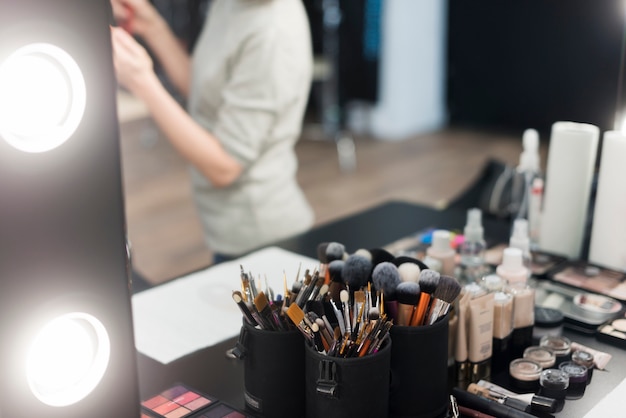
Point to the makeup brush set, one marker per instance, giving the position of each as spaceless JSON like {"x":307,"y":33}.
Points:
{"x":362,"y":322}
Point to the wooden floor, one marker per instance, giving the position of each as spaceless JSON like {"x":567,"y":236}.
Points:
{"x":428,"y":169}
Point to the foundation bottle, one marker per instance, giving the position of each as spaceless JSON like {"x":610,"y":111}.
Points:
{"x":442,"y":251}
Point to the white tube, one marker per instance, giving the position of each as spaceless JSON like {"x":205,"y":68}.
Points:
{"x":571,"y":160}
{"x":608,"y":231}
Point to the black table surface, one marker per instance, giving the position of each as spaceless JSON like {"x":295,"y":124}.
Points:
{"x":211,"y":371}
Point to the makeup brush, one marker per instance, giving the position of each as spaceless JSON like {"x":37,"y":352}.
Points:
{"x":386,"y":279}
{"x":428,"y":281}
{"x":380,"y":255}
{"x":364,"y":253}
{"x":345,"y":304}
{"x":448,"y":289}
{"x":263,"y":307}
{"x":407,"y":295}
{"x":243,"y":307}
{"x":297,"y":316}
{"x":335,"y":251}
{"x":356,"y":272}
{"x":401,"y":259}
{"x":336,"y":285}
{"x":409,"y":272}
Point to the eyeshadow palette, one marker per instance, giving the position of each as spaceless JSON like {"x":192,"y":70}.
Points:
{"x":592,"y":279}
{"x":221,"y":411}
{"x":178,"y":401}
{"x":613,"y":332}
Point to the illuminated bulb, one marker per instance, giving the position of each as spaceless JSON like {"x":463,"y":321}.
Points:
{"x":67,"y":359}
{"x":42,"y":97}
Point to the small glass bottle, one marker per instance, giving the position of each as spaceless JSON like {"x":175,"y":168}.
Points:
{"x":472,"y":249}
{"x":442,"y":250}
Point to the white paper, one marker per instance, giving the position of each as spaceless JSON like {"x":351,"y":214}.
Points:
{"x":197,"y":311}
{"x":610,"y":404}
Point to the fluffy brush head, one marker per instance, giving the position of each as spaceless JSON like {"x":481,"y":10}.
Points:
{"x":448,"y":289}
{"x":409,"y":272}
{"x":386,"y":278}
{"x":335,"y":251}
{"x":429,"y":280}
{"x":380,"y":255}
{"x":321,"y":252}
{"x":356,"y":271}
{"x":406,"y":259}
{"x":335,"y":269}
{"x":408,"y":293}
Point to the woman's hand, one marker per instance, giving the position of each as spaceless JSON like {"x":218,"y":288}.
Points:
{"x":133,"y":65}
{"x":138,"y":17}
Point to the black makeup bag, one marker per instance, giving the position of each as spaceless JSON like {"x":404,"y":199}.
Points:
{"x":339,"y":387}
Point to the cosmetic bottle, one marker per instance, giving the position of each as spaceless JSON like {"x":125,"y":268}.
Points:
{"x":472,"y":249}
{"x":524,"y":203}
{"x":442,"y":251}
{"x":512,"y":268}
{"x":502,"y":330}
{"x":480,"y":346}
{"x":520,"y":239}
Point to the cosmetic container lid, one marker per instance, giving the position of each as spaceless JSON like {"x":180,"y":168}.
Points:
{"x":573,"y":370}
{"x":542,"y":355}
{"x":559,"y":344}
{"x":583,"y":358}
{"x":473,"y":230}
{"x":512,"y":268}
{"x":493,"y":282}
{"x":524,"y":369}
{"x":441,"y":241}
{"x":529,"y":158}
{"x":554,"y":379}
{"x":475,"y":290}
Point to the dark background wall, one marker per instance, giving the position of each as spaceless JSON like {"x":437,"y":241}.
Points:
{"x":518,"y":64}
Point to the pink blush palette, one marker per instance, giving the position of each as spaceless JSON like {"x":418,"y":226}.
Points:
{"x":178,"y":401}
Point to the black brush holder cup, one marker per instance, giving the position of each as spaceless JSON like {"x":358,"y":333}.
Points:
{"x":347,"y":387}
{"x":419,"y":371}
{"x":273,"y":371}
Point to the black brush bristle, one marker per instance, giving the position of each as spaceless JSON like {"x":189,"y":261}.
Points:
{"x":321,"y":252}
{"x":428,"y":281}
{"x":335,"y":269}
{"x":356,"y":271}
{"x":380,"y":255}
{"x":386,"y":278}
{"x":448,"y":289}
{"x":408,"y":293}
{"x":335,"y":251}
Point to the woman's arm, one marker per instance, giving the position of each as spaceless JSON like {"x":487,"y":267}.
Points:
{"x":134,"y":70}
{"x":143,"y":20}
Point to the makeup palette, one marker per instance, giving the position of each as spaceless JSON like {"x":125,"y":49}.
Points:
{"x":590,"y":278}
{"x":613,"y":332}
{"x":582,"y":311}
{"x":178,"y":401}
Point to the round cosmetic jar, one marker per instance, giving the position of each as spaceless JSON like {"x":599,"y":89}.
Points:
{"x":577,"y":379}
{"x":524,"y":374}
{"x":584,"y":358}
{"x":542,"y":355}
{"x":561,"y":346}
{"x":553,"y":384}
